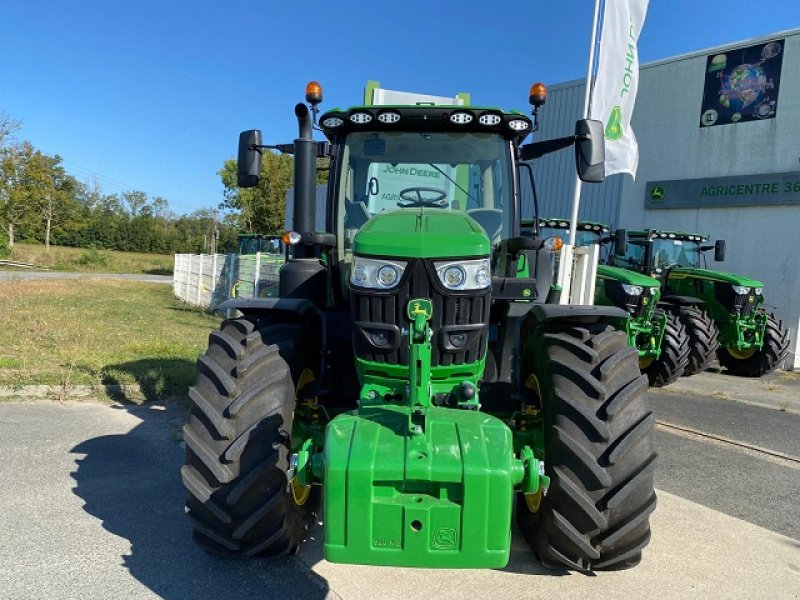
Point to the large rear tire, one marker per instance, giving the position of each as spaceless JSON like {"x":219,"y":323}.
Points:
{"x":674,"y":358}
{"x":703,"y":338}
{"x":759,"y":362}
{"x":598,"y":450}
{"x":238,"y":442}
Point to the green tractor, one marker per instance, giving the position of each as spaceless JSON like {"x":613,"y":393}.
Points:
{"x":410,"y":374}
{"x":657,"y":334}
{"x":722,"y":312}
{"x":253,"y":243}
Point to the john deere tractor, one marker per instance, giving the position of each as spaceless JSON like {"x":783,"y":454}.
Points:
{"x":722,"y":312}
{"x":658,"y":334}
{"x":409,"y":375}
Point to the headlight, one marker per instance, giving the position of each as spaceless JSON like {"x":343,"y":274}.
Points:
{"x":332,"y":122}
{"x":741,"y":290}
{"x":632,"y":290}
{"x":759,"y":291}
{"x":453,"y":276}
{"x":464,"y":274}
{"x":376,"y":273}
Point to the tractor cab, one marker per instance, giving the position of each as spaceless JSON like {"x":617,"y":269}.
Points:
{"x":253,"y":243}
{"x":656,"y":252}
{"x":432,"y":169}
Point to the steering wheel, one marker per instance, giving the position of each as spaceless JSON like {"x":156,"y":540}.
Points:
{"x":438,"y":201}
{"x":665,"y":266}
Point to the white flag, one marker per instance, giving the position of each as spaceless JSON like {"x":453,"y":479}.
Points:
{"x":617,"y":81}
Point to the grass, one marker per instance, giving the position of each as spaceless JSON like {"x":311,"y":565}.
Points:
{"x":100,"y":332}
{"x":61,"y":258}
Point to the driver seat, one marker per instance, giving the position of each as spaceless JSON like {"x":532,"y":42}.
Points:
{"x":491,"y":219}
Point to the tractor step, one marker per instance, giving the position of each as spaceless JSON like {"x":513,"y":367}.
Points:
{"x":438,"y":498}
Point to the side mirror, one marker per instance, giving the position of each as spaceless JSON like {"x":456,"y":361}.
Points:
{"x":621,"y":242}
{"x":249,"y":160}
{"x":719,"y":250}
{"x":590,"y":150}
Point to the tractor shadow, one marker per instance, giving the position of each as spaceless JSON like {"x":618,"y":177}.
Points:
{"x":156,"y":379}
{"x":131,"y":483}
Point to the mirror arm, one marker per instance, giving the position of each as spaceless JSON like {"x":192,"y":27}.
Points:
{"x":323,"y":148}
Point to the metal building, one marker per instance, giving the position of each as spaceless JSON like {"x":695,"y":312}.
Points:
{"x":719,"y":146}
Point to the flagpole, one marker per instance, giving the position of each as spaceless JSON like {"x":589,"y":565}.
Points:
{"x":576,"y":198}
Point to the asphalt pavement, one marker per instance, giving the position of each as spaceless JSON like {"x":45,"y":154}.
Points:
{"x":91,"y":506}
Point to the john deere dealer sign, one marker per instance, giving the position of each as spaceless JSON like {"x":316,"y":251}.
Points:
{"x":743,"y":190}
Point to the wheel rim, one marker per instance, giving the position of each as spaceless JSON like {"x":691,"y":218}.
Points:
{"x":741,"y":354}
{"x":300,"y":492}
{"x":646,"y":361}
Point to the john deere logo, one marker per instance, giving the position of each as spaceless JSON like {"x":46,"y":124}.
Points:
{"x":445,"y":538}
{"x":420,"y":306}
{"x":657,"y":193}
{"x":614,"y":125}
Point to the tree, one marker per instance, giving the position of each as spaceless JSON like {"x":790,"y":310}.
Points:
{"x":136,"y":201}
{"x":261,"y":208}
{"x":13,"y":189}
{"x":49,"y":188}
{"x":8,"y":125}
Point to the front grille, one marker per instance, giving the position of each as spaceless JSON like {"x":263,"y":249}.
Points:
{"x":636,"y":306}
{"x":742,"y":304}
{"x":459,"y":322}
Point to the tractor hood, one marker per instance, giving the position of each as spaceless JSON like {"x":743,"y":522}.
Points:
{"x":625,"y":276}
{"x":422,"y":233}
{"x":733,"y":279}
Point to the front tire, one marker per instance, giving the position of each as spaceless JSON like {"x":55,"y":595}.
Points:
{"x":770,"y":357}
{"x":674,"y":358}
{"x":703,"y":338}
{"x":238,"y":442}
{"x":598,"y":450}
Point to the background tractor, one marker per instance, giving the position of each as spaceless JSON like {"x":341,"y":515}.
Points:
{"x":658,"y":334}
{"x":722,"y":312}
{"x":410,"y":374}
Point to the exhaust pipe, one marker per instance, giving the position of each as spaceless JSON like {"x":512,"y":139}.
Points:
{"x":305,"y":180}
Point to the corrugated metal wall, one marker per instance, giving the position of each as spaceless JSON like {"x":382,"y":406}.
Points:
{"x":555,"y":173}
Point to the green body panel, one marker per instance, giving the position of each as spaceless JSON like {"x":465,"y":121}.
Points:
{"x":422,"y":233}
{"x":679,"y":273}
{"x":624,"y":276}
{"x":442,"y":498}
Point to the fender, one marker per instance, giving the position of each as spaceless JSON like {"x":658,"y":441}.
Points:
{"x":578,"y":314}
{"x":520,"y":318}
{"x":680,"y":301}
{"x":262,"y":306}
{"x":290,"y":309}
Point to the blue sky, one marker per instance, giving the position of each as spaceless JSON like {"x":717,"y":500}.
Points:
{"x":151,"y":95}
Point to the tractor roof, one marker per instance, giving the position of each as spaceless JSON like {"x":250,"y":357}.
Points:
{"x":664,"y":234}
{"x":512,"y":125}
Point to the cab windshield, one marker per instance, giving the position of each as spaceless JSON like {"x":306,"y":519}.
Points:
{"x":664,"y":254}
{"x":464,"y":172}
{"x":671,"y":253}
